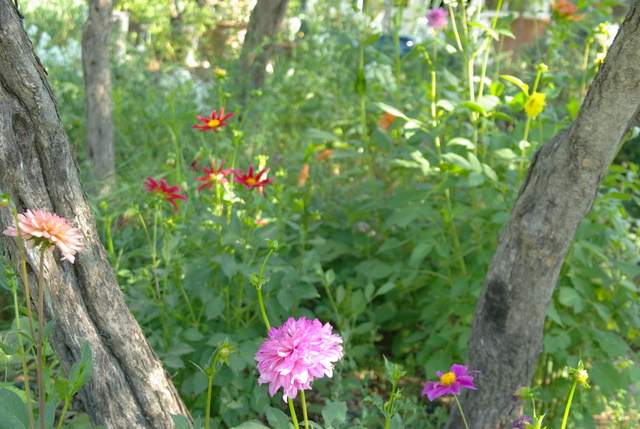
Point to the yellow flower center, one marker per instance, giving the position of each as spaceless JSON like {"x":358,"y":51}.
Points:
{"x":448,"y":379}
{"x":251,"y":181}
{"x":213,"y":123}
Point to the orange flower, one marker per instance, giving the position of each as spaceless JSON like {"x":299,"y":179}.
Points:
{"x":386,"y":120}
{"x":304,"y":174}
{"x":566,"y":9}
{"x":324,"y":154}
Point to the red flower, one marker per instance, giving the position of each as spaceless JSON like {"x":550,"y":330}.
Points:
{"x":386,"y":120}
{"x":214,"y":122}
{"x":566,"y":9}
{"x":167,"y":193}
{"x":324,"y":154}
{"x":250,"y":180}
{"x":213,"y":176}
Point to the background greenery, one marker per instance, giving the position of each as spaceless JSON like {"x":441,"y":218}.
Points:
{"x":390,"y":236}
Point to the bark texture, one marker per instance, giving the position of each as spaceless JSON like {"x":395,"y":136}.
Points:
{"x":266,"y":19}
{"x":129,"y":388}
{"x":561,"y":185}
{"x":96,"y":40}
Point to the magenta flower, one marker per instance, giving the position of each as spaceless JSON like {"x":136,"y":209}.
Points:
{"x":167,"y":193}
{"x":437,"y":18}
{"x":450,"y":383}
{"x":213,"y":176}
{"x":297,"y":353}
{"x":48,"y":229}
{"x":250,"y":180}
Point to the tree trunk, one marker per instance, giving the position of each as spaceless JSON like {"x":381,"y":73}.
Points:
{"x":561,"y":185}
{"x":129,"y":388}
{"x":266,"y":19}
{"x":96,"y":40}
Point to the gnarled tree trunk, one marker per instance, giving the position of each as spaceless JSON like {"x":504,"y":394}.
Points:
{"x":560,"y":188}
{"x":129,"y":388}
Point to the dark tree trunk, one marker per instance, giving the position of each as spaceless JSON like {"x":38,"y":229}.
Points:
{"x":562,"y":183}
{"x":129,"y":388}
{"x":96,"y":40}
{"x":266,"y":18}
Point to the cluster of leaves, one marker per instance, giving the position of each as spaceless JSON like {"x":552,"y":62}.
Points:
{"x":389,"y":237}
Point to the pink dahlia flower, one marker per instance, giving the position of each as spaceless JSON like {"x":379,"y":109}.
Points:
{"x":48,"y":228}
{"x":437,"y":18}
{"x":450,"y":383}
{"x":297,"y":353}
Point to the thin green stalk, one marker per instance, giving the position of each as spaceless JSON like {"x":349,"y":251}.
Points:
{"x":566,"y":411}
{"x":455,"y":27}
{"x":304,"y":409}
{"x":487,"y":50}
{"x":396,"y":42}
{"x":67,"y":401}
{"x":454,"y":231}
{"x":464,"y":419}
{"x":390,"y":405}
{"x":23,"y":358}
{"x":40,"y":360}
{"x":207,"y":418}
{"x":292,"y":410}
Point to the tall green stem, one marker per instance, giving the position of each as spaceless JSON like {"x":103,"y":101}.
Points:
{"x":464,"y":419}
{"x":304,"y":409}
{"x":566,"y":411}
{"x":23,"y":358}
{"x":39,"y":354}
{"x":294,"y":417}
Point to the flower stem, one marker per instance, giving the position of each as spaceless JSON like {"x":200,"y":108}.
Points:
{"x":40,"y":361}
{"x":304,"y":410}
{"x":464,"y":420}
{"x":23,"y":359}
{"x":292,"y":410}
{"x":207,"y":418}
{"x":566,"y":411}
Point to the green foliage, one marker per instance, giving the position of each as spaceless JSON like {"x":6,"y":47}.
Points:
{"x":388,"y":237}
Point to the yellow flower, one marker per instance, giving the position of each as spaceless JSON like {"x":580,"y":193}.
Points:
{"x":534,"y":105}
{"x":220,"y":73}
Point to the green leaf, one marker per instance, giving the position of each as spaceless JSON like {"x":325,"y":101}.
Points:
{"x":261,"y":395}
{"x":476,"y":165}
{"x":316,"y":134}
{"x":458,"y":160}
{"x":277,"y":418}
{"x":419,"y":253}
{"x":520,"y":84}
{"x":46,"y":330}
{"x":13,"y":412}
{"x":488,"y":171}
{"x":629,"y":269}
{"x":474,"y":107}
{"x":553,"y":314}
{"x":461,"y":141}
{"x":335,"y":414}
{"x":385,"y":288}
{"x":253,"y":424}
{"x":180,"y":421}
{"x":569,"y":297}
{"x":214,"y":307}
